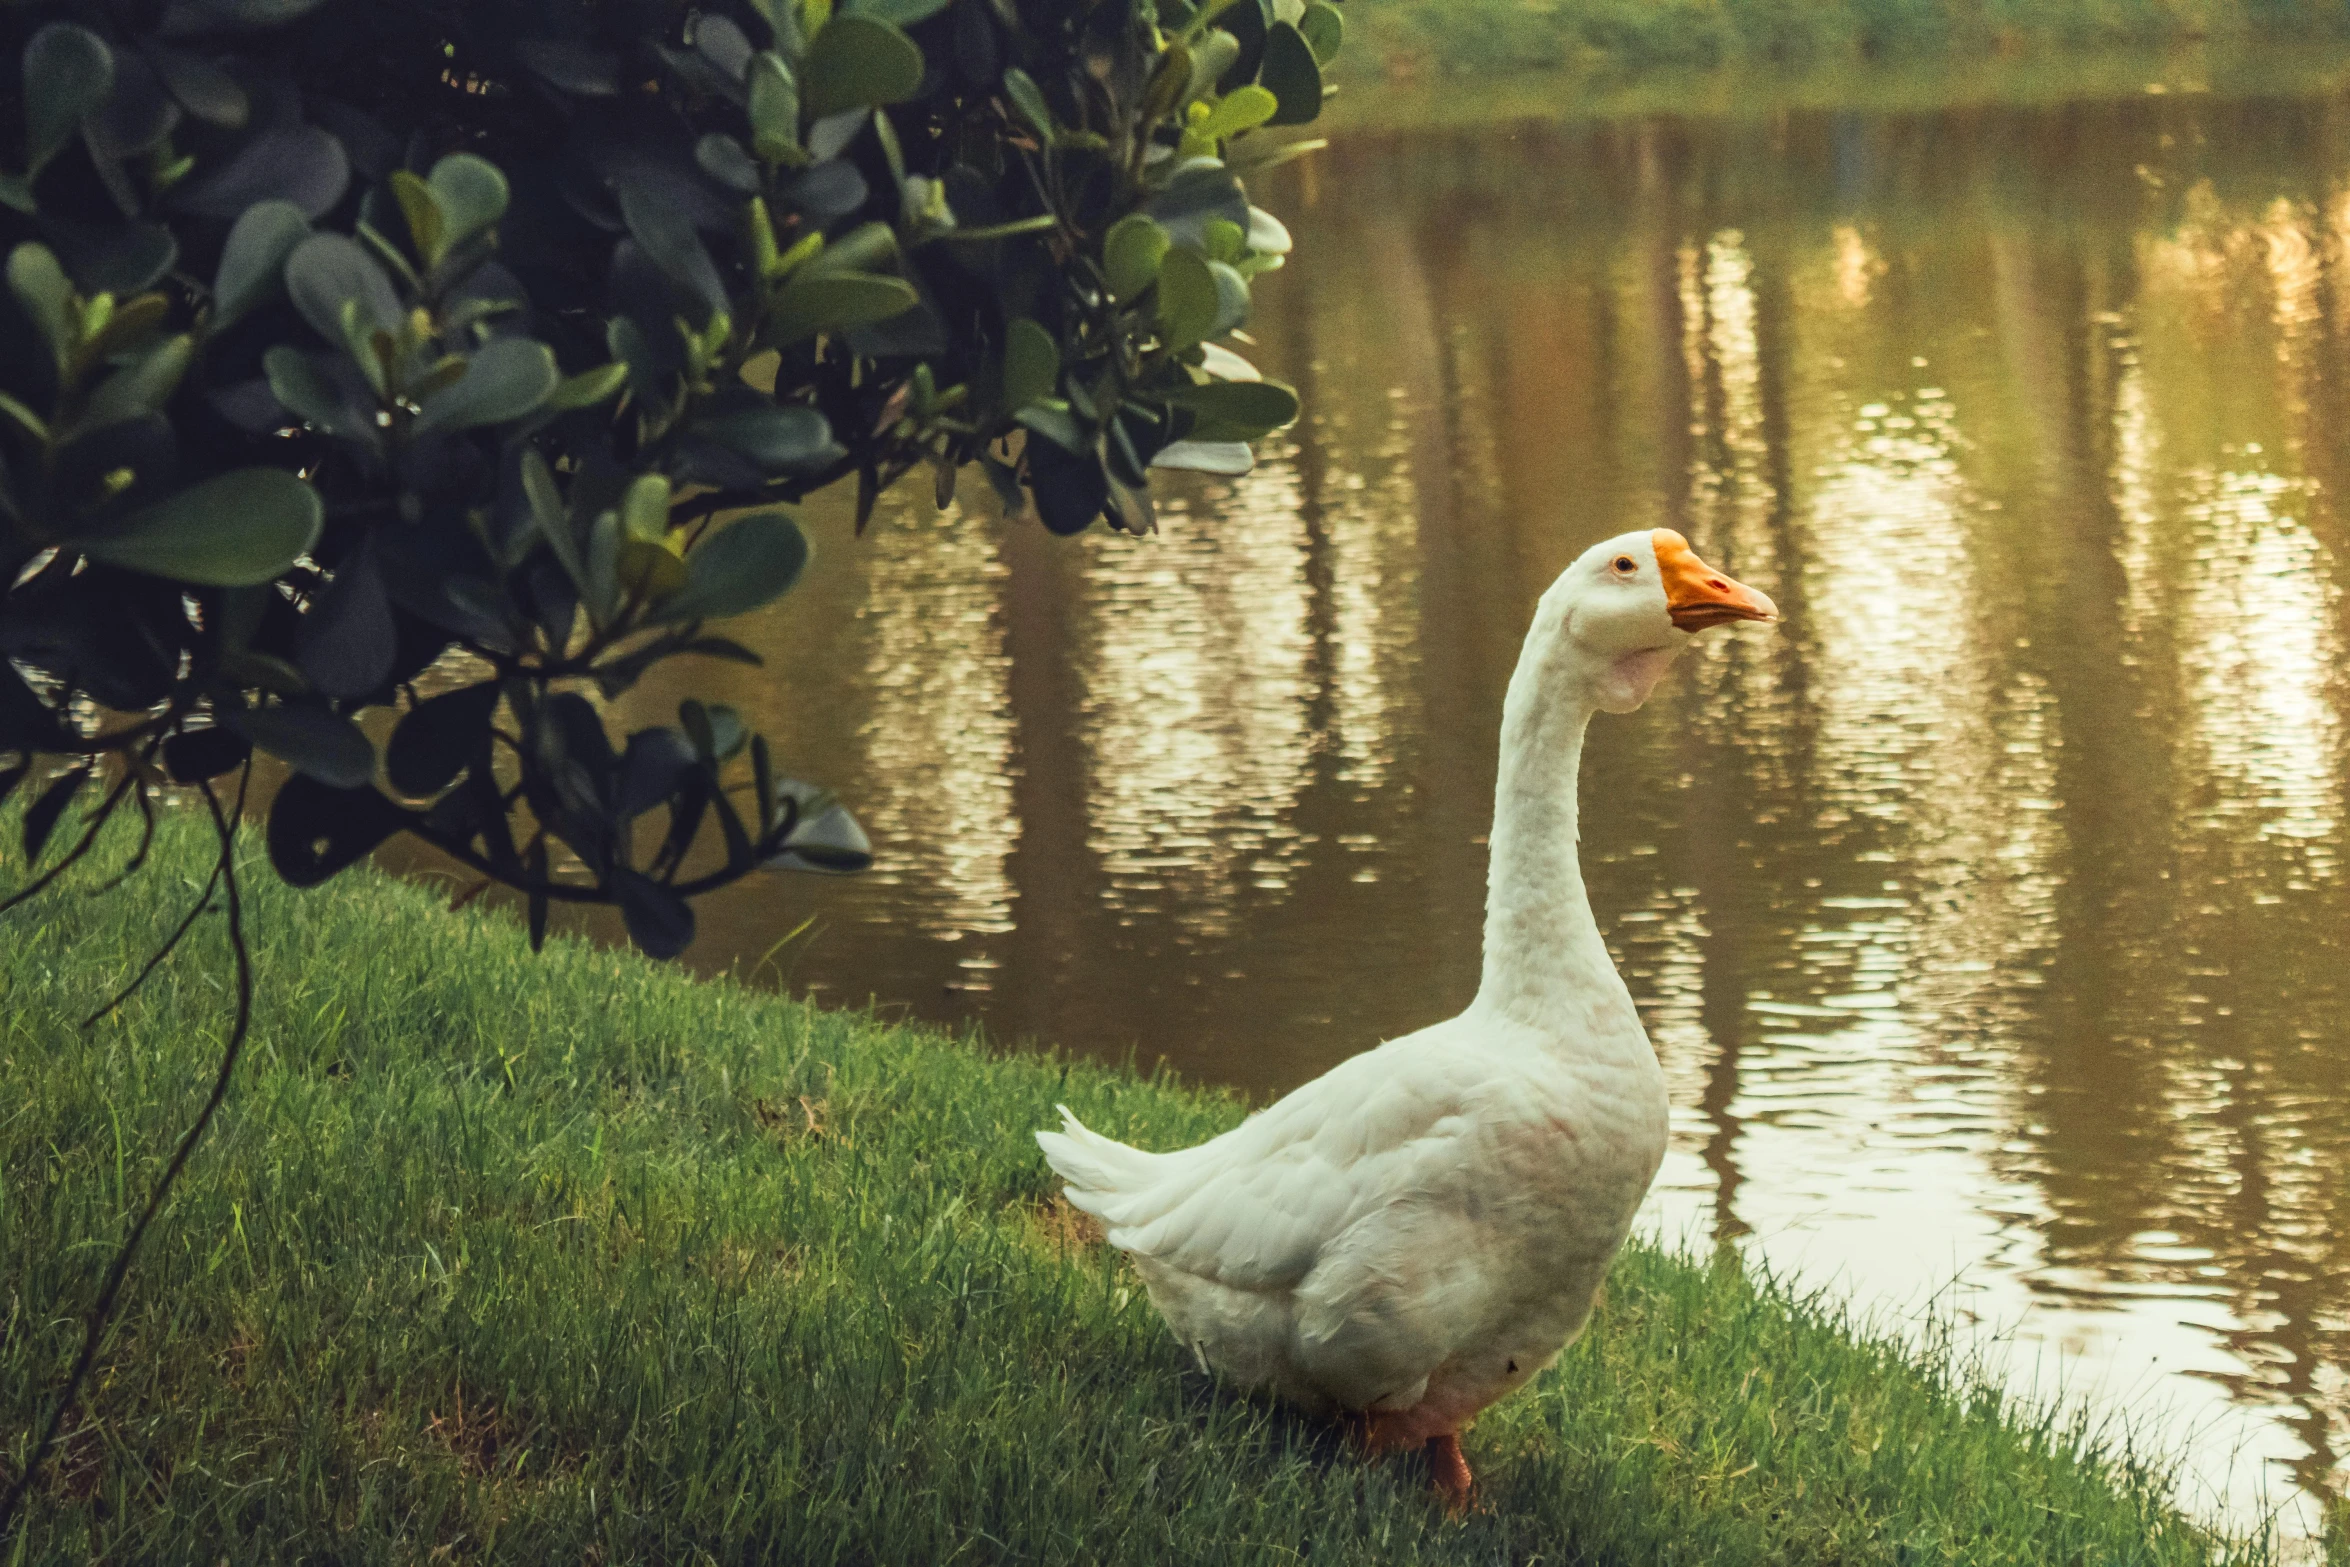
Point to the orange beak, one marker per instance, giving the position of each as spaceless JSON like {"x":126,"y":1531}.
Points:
{"x":1697,"y":596}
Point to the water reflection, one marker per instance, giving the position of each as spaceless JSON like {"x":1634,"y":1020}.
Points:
{"x":1989,"y":920}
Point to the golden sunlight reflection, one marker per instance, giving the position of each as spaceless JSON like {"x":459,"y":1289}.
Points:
{"x":1195,"y":650}
{"x":934,"y":671}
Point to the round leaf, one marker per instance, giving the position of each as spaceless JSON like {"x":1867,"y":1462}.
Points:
{"x":1293,"y":75}
{"x":297,"y":163}
{"x":316,"y":830}
{"x":776,"y":437}
{"x":325,"y":270}
{"x":1227,"y":458}
{"x":438,"y":737}
{"x":1032,"y":363}
{"x":471,"y":194}
{"x":858,"y":62}
{"x":235,"y":530}
{"x":1131,"y":253}
{"x":1324,"y":29}
{"x":825,"y":838}
{"x":68,"y":73}
{"x":254,"y":258}
{"x":741,"y":568}
{"x":659,"y":921}
{"x":1236,"y":410}
{"x":1243,"y":109}
{"x":507,"y":379}
{"x":816,"y":302}
{"x":1188,"y":299}
{"x":315,"y":739}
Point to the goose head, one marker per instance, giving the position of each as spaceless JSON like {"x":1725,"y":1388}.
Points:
{"x":1622,"y":612}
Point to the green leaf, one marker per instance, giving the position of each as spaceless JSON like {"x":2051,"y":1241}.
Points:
{"x":236,"y":530}
{"x":603,"y":566}
{"x":1214,"y":54}
{"x":1223,"y":239}
{"x":1032,"y":363}
{"x":1243,"y":109}
{"x":858,"y":62}
{"x":588,"y":388}
{"x":1028,"y":98}
{"x":1232,"y":302}
{"x":861,"y":249}
{"x":68,"y":74}
{"x":649,"y":573}
{"x":304,"y":391}
{"x":1055,"y":423}
{"x":317,"y":741}
{"x":140,"y":389}
{"x":30,"y":422}
{"x":1131,"y":253}
{"x":506,"y":379}
{"x":1170,"y":81}
{"x":438,"y":737}
{"x":254,"y":259}
{"x":553,"y":518}
{"x":905,"y":13}
{"x":644,"y":509}
{"x":422,"y":212}
{"x":774,"y":109}
{"x":40,"y":285}
{"x":326,"y":271}
{"x":1187,"y":299}
{"x":1292,"y":74}
{"x":1236,"y":410}
{"x":776,"y":437}
{"x":471,"y":194}
{"x":1324,"y":29}
{"x":814,"y":302}
{"x":740,"y":568}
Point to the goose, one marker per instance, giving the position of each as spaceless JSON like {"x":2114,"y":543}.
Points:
{"x":1420,"y":1230}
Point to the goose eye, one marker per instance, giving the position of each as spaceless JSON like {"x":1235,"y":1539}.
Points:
{"x":1624,"y":565}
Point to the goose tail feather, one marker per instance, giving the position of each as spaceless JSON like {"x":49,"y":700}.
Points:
{"x":1098,"y":1169}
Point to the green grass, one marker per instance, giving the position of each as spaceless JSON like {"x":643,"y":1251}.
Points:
{"x":572,"y":1258}
{"x":1595,"y":49}
{"x":2227,"y":69}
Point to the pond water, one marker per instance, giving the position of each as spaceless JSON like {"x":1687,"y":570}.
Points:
{"x":1990,"y":917}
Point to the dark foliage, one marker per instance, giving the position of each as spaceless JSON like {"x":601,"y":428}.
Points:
{"x":344,"y":336}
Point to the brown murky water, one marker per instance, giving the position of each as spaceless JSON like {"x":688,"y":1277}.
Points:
{"x":1991,"y":918}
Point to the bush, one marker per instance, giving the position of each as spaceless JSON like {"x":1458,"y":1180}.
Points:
{"x":344,"y":336}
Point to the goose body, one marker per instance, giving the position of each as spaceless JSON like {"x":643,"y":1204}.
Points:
{"x":1415,"y":1233}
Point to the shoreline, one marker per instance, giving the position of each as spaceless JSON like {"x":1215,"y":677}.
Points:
{"x":1741,"y":91}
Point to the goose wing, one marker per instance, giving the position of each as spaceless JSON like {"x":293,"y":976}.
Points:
{"x":1256,"y":1208}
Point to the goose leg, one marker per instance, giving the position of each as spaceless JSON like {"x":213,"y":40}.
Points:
{"x":1450,"y":1471}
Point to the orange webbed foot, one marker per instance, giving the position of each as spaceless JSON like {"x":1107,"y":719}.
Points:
{"x":1450,"y":1472}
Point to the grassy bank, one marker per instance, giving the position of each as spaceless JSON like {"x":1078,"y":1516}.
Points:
{"x":2227,"y":69}
{"x":1597,"y":48}
{"x":571,"y":1258}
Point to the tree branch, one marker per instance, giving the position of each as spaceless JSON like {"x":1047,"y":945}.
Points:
{"x":110,"y":1292}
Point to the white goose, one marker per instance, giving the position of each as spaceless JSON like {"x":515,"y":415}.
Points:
{"x":1417,"y":1232}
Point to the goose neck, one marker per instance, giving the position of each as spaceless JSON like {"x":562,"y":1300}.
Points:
{"x":1545,"y":964}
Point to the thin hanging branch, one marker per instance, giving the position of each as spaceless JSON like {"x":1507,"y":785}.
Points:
{"x":102,"y":1310}
{"x":170,"y":945}
{"x":97,"y":824}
